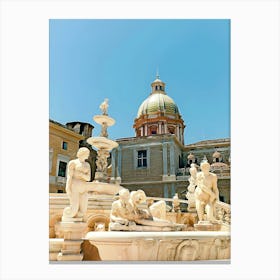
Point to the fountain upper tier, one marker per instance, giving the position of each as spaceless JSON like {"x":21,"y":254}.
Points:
{"x":102,"y":143}
{"x":103,"y":119}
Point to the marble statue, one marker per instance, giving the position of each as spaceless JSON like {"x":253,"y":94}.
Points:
{"x":78,"y":186}
{"x":78,"y":171}
{"x":101,"y":162}
{"x":131,"y":213}
{"x":158,"y":209}
{"x":137,"y":198}
{"x":206,"y":193}
{"x":176,"y":204}
{"x":122,"y":211}
{"x":191,"y":188}
{"x":104,"y":106}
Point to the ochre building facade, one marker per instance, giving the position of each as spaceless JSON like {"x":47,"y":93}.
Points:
{"x":63,"y":146}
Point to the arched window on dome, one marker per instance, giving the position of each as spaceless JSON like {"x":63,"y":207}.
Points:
{"x":171,"y":129}
{"x":152,"y":130}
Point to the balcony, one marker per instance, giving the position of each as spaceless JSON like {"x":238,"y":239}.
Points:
{"x":223,"y":172}
{"x":182,"y":174}
{"x":60,"y":180}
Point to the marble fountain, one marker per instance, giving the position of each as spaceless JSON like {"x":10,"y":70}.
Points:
{"x":139,"y":231}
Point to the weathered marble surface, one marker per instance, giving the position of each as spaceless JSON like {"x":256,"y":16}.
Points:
{"x":71,"y":233}
{"x":161,"y":246}
{"x":191,"y":189}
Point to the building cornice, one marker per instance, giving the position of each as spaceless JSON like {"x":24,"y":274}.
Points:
{"x":224,"y":142}
{"x":60,"y":128}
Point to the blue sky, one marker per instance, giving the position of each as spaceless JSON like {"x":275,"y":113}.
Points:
{"x":118,"y":59}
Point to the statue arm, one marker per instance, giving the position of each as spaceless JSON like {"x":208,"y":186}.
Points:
{"x":215,"y":187}
{"x":143,"y":214}
{"x":70,"y":172}
{"x":86,"y":173}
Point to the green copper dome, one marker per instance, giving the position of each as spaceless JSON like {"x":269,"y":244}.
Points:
{"x":158,"y":102}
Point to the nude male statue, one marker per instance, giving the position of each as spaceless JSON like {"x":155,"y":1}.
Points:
{"x":78,"y":186}
{"x":206,"y":193}
{"x":78,"y":172}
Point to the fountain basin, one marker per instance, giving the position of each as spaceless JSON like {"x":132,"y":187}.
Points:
{"x":102,"y":143}
{"x":161,"y":246}
{"x":100,"y":119}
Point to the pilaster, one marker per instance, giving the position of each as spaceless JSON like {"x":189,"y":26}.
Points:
{"x":113,"y":162}
{"x":164,"y":158}
{"x":165,"y":191}
{"x":172,"y":161}
{"x":119,"y":167}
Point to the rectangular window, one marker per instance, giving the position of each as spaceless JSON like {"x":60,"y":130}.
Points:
{"x":64,"y":145}
{"x":142,"y":158}
{"x":62,"y":169}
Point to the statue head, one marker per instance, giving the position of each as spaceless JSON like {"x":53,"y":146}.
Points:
{"x":83,"y":153}
{"x":138,"y":197}
{"x":205,"y":166}
{"x":124,"y":194}
{"x":193,"y":170}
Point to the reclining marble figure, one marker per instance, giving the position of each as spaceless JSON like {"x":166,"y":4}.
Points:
{"x":128,"y":214}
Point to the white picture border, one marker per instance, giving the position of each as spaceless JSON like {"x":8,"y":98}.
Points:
{"x":254,"y":137}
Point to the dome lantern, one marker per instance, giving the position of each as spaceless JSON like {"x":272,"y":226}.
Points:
{"x":158,"y":86}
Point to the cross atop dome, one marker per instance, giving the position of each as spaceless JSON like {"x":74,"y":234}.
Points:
{"x":157,"y":75}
